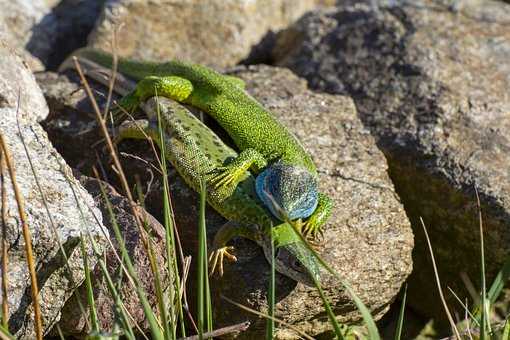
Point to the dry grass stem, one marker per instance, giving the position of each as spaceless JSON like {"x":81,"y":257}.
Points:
{"x":28,"y":239}
{"x":5,"y":246}
{"x":438,"y":282}
{"x":240,"y":327}
{"x":248,"y":309}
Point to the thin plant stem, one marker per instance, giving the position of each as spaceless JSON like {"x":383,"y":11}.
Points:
{"x":28,"y":240}
{"x":438,"y":282}
{"x":253,"y":311}
{"x":484,"y":325}
{"x":5,"y":255}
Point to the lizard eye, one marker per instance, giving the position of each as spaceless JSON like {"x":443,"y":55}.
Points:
{"x":297,"y":266}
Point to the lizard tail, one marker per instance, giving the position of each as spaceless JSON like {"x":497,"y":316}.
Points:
{"x":131,"y":68}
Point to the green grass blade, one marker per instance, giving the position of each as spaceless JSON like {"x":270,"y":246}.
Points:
{"x":126,"y":325}
{"x":169,"y":236}
{"x":484,"y":324}
{"x":149,"y":314}
{"x":59,"y":331}
{"x":400,"y":323}
{"x":506,"y":331}
{"x":271,"y":295}
{"x":208,"y":302}
{"x":499,"y":282}
{"x":159,"y":294}
{"x":88,"y":286}
{"x":203,"y":246}
{"x":160,"y":298}
{"x":201,"y":258}
{"x":329,"y":311}
{"x":4,"y":334}
{"x":373,"y":333}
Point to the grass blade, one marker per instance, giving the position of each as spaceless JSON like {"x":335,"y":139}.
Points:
{"x":400,"y":323}
{"x":506,"y":331}
{"x":159,"y":293}
{"x":208,"y":302}
{"x":329,"y":311}
{"x":5,"y":246}
{"x":248,"y":309}
{"x":4,"y":334}
{"x":201,"y":258}
{"x":373,"y":333}
{"x":271,"y":295}
{"x":203,"y":246}
{"x":88,"y":286}
{"x":169,"y":233}
{"x":438,"y":282}
{"x":484,"y":325}
{"x":149,"y":314}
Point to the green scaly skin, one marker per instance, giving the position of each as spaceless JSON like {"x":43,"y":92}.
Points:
{"x":261,"y":139}
{"x":194,"y":150}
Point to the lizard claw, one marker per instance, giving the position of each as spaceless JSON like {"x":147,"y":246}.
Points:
{"x":216,"y":259}
{"x":226,"y":176}
{"x":311,"y":230}
{"x":312,"y":239}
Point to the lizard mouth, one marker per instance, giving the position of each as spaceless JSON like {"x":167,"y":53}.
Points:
{"x":289,"y":262}
{"x":289,"y":192}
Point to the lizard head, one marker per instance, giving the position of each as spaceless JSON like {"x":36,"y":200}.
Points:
{"x":289,"y":192}
{"x":292,"y":257}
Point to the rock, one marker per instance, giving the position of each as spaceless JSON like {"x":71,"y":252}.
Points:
{"x":214,"y":32}
{"x":32,"y":105}
{"x":71,"y":124}
{"x":45,"y":31}
{"x":368,"y":239}
{"x":56,"y":279}
{"x":72,"y":321}
{"x":431,"y":83}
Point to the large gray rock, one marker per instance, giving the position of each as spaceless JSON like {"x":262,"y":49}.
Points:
{"x":45,"y":31}
{"x":56,"y":279}
{"x":214,"y":32}
{"x":431,"y":83}
{"x":368,"y":239}
{"x":17,"y":19}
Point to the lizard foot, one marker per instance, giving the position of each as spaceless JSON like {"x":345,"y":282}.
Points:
{"x":227,"y":176}
{"x":311,"y":230}
{"x":216,"y":259}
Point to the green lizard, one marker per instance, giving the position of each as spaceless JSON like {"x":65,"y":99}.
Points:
{"x":194,"y":150}
{"x":287,"y":179}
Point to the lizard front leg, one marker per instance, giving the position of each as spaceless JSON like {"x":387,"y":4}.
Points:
{"x":313,"y":224}
{"x":234,"y":171}
{"x":226,"y":233}
{"x":137,"y":129}
{"x":172,"y":87}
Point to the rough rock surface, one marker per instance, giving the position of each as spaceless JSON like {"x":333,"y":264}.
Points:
{"x":72,"y":321}
{"x":56,"y":280}
{"x":214,"y":32}
{"x":368,"y":238}
{"x":17,"y":83}
{"x":44,"y":31}
{"x":431,"y":83}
